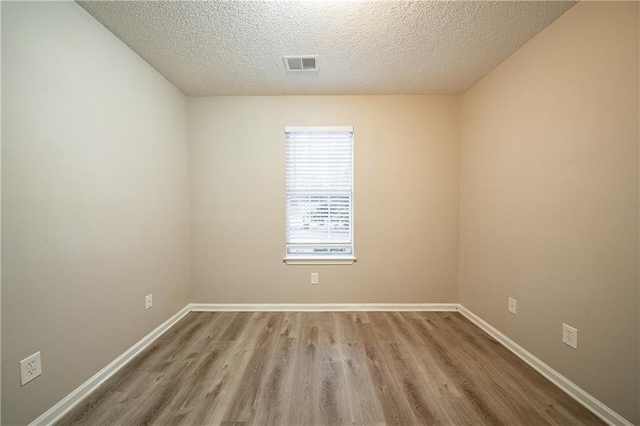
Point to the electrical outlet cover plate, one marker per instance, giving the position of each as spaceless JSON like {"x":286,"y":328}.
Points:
{"x":512,"y":306}
{"x":30,"y":368}
{"x":314,"y":278}
{"x":570,"y":336}
{"x":148,"y":301}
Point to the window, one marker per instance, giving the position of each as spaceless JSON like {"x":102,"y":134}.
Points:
{"x":319,"y":195}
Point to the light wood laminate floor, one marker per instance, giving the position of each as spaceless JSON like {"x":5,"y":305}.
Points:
{"x":327,"y":368}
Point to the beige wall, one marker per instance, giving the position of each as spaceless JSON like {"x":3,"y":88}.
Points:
{"x":406,"y":199}
{"x":94,"y":200}
{"x":549,"y":198}
{"x":0,"y":213}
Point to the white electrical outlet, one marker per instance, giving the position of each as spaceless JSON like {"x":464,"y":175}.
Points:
{"x":314,"y":278}
{"x":512,"y":306}
{"x":570,"y":336}
{"x":148,"y":301}
{"x":30,"y":368}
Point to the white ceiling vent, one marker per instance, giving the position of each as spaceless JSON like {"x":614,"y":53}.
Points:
{"x":300,"y":63}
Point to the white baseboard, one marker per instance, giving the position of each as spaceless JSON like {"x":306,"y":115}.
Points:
{"x":321,"y":307}
{"x":56,"y":412}
{"x":566,"y":385}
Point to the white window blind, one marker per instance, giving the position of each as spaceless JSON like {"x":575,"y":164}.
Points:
{"x":319,"y":191}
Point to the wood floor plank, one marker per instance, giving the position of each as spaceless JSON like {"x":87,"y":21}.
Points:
{"x":305,"y":393}
{"x":463,"y":375}
{"x":364,"y":405}
{"x":243,"y":403}
{"x":273,"y":401}
{"x":226,"y":381}
{"x":386,"y":385}
{"x":327,"y":368}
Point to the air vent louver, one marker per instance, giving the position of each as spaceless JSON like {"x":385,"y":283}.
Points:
{"x":300,"y":63}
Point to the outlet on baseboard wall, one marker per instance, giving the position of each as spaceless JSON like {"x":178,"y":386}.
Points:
{"x":570,"y":336}
{"x":512,"y":306}
{"x":314,"y":278}
{"x":30,"y":368}
{"x":148,"y":301}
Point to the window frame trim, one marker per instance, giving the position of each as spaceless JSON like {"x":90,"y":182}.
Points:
{"x":326,"y":260}
{"x":306,"y":259}
{"x":318,"y":129}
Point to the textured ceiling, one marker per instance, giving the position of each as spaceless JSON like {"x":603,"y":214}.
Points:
{"x":390,"y":47}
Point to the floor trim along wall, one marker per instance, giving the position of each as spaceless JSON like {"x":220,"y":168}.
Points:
{"x":323,"y":307}
{"x":598,"y":408}
{"x":573,"y":390}
{"x":61,"y":408}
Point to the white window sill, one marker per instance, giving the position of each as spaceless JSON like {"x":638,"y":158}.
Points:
{"x":324,"y":260}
